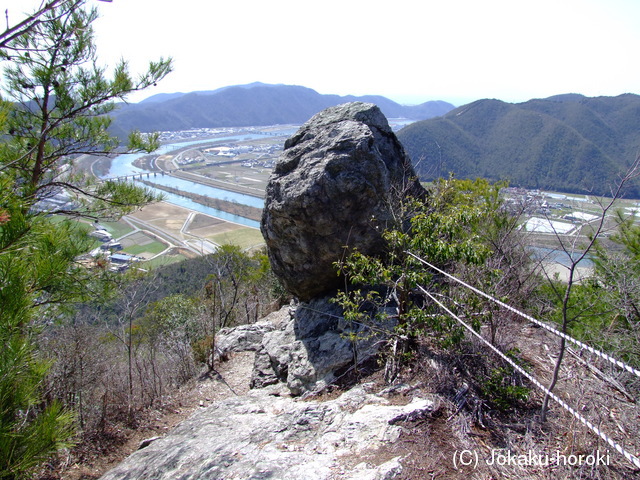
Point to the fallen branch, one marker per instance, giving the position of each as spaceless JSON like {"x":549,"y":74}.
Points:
{"x":603,"y":376}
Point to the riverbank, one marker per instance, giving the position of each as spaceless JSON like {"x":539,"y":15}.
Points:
{"x":245,"y":211}
{"x":164,"y":163}
{"x":194,"y":177}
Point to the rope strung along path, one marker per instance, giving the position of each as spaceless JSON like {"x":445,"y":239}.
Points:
{"x":594,"y":428}
{"x":549,"y":328}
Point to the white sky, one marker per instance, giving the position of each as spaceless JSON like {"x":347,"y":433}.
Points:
{"x":408,"y":50}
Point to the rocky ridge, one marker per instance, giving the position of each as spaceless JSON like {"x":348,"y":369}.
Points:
{"x":312,"y":348}
{"x":264,"y":435}
{"x":269,"y":433}
{"x":336,"y":186}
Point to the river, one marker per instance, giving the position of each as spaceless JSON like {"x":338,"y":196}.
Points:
{"x":122,"y":165}
{"x":559,"y":256}
{"x":209,"y":191}
{"x":214,"y":212}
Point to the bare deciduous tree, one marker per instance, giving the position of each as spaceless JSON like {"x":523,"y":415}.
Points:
{"x":570,"y":247}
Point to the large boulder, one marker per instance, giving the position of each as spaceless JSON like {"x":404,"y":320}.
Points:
{"x":335,"y":186}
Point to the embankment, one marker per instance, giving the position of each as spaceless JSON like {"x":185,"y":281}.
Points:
{"x":246,"y":211}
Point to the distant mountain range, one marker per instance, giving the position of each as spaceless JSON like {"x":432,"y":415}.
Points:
{"x":248,"y":105}
{"x":569,"y":143}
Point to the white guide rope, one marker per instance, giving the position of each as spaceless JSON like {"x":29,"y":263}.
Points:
{"x":555,"y":331}
{"x":595,"y":429}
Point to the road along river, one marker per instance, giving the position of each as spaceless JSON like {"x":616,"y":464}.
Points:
{"x":122,"y":166}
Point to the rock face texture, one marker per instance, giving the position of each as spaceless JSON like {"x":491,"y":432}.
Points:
{"x":266,"y":436}
{"x":312,"y":348}
{"x":268,"y":433}
{"x":334,"y":186}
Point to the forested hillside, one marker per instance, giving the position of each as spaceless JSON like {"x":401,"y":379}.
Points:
{"x":567,"y":143}
{"x":245,"y":105}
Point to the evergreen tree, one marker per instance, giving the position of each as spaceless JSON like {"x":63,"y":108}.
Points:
{"x":55,"y":109}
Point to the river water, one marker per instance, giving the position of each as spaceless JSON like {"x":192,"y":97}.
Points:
{"x":214,"y":212}
{"x":559,"y":256}
{"x":122,"y":166}
{"x":211,"y":192}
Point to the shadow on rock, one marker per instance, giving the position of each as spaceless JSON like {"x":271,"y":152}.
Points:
{"x":313,"y":348}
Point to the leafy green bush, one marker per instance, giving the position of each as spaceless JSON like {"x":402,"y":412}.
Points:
{"x":462,"y":229}
{"x":503,"y":389}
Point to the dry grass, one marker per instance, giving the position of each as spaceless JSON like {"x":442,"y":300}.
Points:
{"x":91,"y":461}
{"x":445,"y":445}
{"x":434,"y":448}
{"x":178,"y":222}
{"x":242,"y":237}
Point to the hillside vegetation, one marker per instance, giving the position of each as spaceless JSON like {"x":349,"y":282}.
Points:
{"x":568,"y":143}
{"x":249,"y":105}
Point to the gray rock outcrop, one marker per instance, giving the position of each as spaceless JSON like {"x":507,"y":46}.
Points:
{"x":262,"y":435}
{"x":313,"y":347}
{"x":335,"y":185}
{"x":243,"y":338}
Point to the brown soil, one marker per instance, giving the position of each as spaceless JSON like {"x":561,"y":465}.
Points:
{"x":201,"y":221}
{"x":433,"y":447}
{"x":230,"y":378}
{"x":162,"y":211}
{"x":172,"y":218}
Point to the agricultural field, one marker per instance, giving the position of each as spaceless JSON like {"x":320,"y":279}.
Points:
{"x":186,"y":229}
{"x":244,"y":164}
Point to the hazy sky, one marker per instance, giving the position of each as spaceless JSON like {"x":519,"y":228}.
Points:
{"x":410,"y":51}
